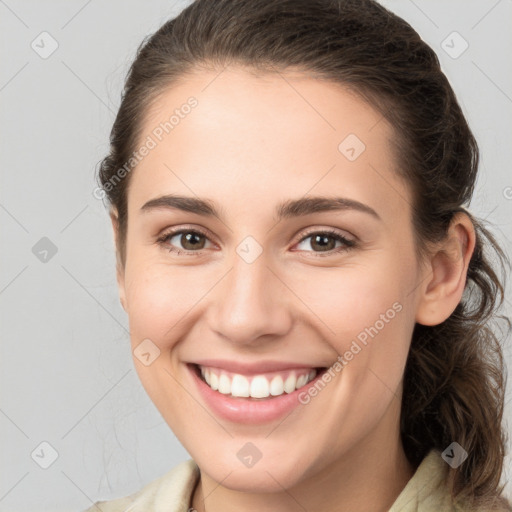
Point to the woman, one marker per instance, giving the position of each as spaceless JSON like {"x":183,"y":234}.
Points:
{"x":308,"y":298}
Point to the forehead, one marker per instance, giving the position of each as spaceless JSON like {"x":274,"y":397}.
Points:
{"x":273,"y":133}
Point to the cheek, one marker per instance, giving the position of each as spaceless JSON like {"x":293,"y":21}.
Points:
{"x":368,"y":318}
{"x":162,"y":303}
{"x":159,"y":300}
{"x":350,"y":298}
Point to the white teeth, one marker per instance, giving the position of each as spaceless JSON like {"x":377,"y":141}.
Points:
{"x":301,"y":381}
{"x":224,"y":384}
{"x":240,"y":386}
{"x":290,"y":383}
{"x":277,"y":386}
{"x":214,"y":381}
{"x":257,"y":386}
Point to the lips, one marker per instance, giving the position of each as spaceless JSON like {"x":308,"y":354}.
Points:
{"x":249,"y":410}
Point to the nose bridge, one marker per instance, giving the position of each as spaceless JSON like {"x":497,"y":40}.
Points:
{"x":250,"y":302}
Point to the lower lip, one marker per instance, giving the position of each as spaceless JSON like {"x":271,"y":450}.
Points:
{"x":245,"y":410}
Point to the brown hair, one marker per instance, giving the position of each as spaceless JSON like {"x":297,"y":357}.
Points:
{"x":454,"y":382}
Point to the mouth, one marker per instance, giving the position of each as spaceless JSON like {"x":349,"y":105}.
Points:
{"x":256,"y":387}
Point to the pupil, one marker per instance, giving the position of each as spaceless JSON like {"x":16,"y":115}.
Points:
{"x":323,"y":239}
{"x":189,"y":239}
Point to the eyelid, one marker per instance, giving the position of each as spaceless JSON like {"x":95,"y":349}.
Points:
{"x":334,"y":232}
{"x":172,"y":232}
{"x":185,"y":228}
{"x":330,"y":231}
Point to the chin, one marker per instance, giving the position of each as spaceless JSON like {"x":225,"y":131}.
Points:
{"x":263,"y":477}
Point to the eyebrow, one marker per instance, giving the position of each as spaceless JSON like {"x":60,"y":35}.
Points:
{"x":288,"y":209}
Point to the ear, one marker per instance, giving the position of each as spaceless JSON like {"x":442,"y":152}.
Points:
{"x":119,"y":266}
{"x":445,"y":274}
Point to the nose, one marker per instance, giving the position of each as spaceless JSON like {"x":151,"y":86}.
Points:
{"x":251,"y":302}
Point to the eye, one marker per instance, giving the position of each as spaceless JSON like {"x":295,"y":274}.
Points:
{"x":323,"y":240}
{"x":192,"y":241}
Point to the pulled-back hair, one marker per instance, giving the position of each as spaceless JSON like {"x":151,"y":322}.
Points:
{"x":454,"y":382}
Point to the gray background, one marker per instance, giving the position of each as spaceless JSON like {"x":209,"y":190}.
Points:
{"x":66,"y":375}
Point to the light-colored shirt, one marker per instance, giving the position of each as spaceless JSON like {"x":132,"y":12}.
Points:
{"x":426,"y":491}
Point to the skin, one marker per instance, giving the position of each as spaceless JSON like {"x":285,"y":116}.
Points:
{"x":251,"y":143}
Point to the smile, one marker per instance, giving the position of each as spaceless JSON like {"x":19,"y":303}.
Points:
{"x":254,"y":397}
{"x":256,"y":386}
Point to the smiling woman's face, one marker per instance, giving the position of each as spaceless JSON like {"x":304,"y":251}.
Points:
{"x":250,"y":286}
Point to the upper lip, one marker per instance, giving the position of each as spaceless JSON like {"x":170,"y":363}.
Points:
{"x":251,"y":368}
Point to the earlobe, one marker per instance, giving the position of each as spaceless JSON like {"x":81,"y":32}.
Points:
{"x":119,"y":265}
{"x":445,"y":277}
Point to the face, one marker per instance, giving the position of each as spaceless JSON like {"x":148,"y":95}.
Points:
{"x":265,"y":287}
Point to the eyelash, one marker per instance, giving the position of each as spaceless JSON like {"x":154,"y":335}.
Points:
{"x":349,"y":244}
